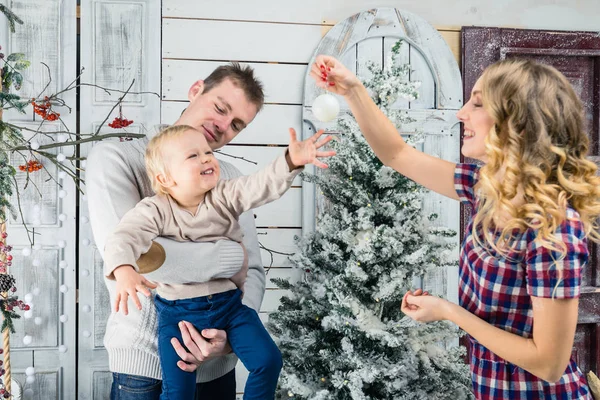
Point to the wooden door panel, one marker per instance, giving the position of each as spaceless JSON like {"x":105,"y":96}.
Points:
{"x":577,"y":56}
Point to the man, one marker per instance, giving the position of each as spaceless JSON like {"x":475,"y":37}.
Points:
{"x":221,"y":106}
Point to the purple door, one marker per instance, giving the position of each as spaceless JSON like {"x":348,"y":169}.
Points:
{"x":577,"y":56}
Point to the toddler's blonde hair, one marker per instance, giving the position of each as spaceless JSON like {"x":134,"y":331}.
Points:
{"x":155,"y":160}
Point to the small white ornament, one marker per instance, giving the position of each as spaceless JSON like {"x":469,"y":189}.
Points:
{"x":62,"y":175}
{"x":61,"y":137}
{"x":30,"y":379}
{"x":60,"y":157}
{"x":28,"y":394}
{"x":62,"y":217}
{"x":28,"y":314}
{"x":36,"y":291}
{"x":38,"y":321}
{"x":36,"y":262}
{"x":63,"y":288}
{"x":34,"y":145}
{"x":26,"y":251}
{"x":62,"y":244}
{"x":28,"y":298}
{"x":27,"y":340}
{"x":87,"y":308}
{"x":86,"y":242}
{"x":87,"y":334}
{"x":85,"y":273}
{"x":62,"y":264}
{"x":63,"y":318}
{"x":37,"y":246}
{"x":29,"y":371}
{"x":85,"y":220}
{"x":62,"y":194}
{"x":62,"y":348}
{"x":326,"y":107}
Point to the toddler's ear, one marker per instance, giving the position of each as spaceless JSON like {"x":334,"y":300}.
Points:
{"x":165,"y":180}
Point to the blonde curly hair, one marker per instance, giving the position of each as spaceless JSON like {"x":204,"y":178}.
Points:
{"x":539,"y":146}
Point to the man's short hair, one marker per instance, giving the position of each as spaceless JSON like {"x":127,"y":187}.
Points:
{"x":242,"y":77}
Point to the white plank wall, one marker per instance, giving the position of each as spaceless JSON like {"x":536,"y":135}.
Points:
{"x":278,"y":42}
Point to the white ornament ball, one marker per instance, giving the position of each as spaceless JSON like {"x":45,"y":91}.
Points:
{"x":62,"y":194}
{"x":30,"y":379}
{"x":86,"y":242}
{"x":62,"y":264}
{"x":60,"y":157}
{"x":62,"y":175}
{"x":36,"y":262}
{"x":28,"y":298}
{"x":29,"y":371}
{"x":63,"y":288}
{"x":87,"y":334}
{"x":326,"y":108}
{"x":62,"y":348}
{"x":37,"y":246}
{"x":63,"y":318}
{"x":28,"y":314}
{"x":36,"y":291}
{"x":62,"y":217}
{"x":61,"y":137}
{"x":38,"y":321}
{"x":85,"y":273}
{"x":26,"y":251}
{"x":27,"y":339}
{"x":34,"y":145}
{"x":28,"y":394}
{"x":87,"y":308}
{"x":62,"y":244}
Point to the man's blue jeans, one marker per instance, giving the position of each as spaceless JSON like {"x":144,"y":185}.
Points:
{"x":247,"y":336}
{"x":133,"y":387}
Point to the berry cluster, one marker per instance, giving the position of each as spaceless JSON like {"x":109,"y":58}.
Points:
{"x":31,"y":166}
{"x":44,"y":110}
{"x":120,"y":122}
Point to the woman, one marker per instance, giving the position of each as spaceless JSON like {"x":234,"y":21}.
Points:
{"x":536,"y":200}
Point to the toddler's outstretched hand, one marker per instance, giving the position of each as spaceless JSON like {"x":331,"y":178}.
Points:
{"x":307,"y":151}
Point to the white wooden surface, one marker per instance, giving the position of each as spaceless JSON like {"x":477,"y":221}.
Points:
{"x":120,"y":42}
{"x":533,"y":14}
{"x":47,"y":35}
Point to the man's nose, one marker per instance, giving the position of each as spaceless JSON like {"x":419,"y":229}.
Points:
{"x":223,"y":124}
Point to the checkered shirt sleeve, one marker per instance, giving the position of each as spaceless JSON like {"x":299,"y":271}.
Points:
{"x":465,"y":178}
{"x":550,"y":276}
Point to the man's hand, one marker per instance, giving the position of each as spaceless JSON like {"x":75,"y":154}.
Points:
{"x":210,"y":344}
{"x":129,"y":282}
{"x":306,"y":152}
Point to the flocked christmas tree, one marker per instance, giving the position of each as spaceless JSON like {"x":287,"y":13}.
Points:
{"x":341,"y":331}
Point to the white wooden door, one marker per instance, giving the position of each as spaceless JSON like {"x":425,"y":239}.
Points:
{"x":369,"y":36}
{"x":48,"y":35}
{"x":120,"y":44}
